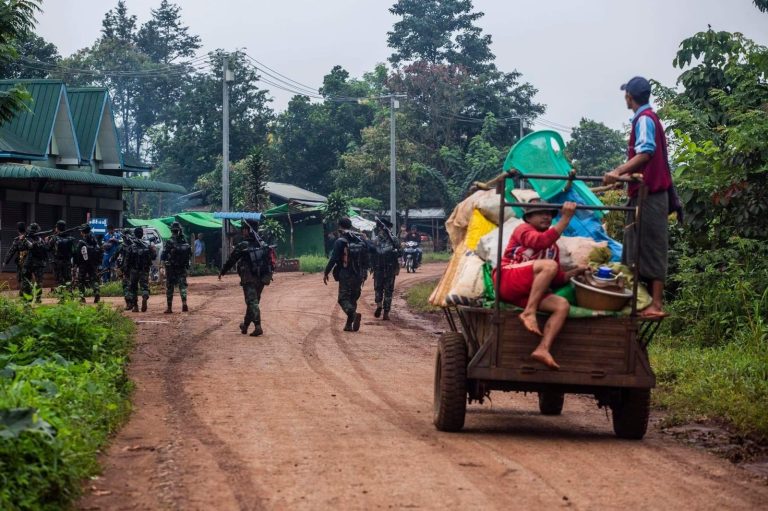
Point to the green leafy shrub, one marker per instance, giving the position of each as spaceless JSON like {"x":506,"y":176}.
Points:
{"x":63,"y":389}
{"x":312,"y":263}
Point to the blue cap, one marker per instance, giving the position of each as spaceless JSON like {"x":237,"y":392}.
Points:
{"x":637,"y":86}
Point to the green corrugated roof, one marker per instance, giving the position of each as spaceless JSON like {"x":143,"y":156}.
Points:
{"x":35,"y":126}
{"x":20,"y":171}
{"x":87,"y":105}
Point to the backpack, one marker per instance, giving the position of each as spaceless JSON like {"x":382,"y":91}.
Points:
{"x":37,"y":249}
{"x":180,"y":254}
{"x":88,"y":254}
{"x":139,"y":256}
{"x":63,"y":247}
{"x":355,"y":253}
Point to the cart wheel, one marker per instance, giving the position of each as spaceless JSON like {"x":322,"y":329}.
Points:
{"x":630,"y":416}
{"x":551,"y":403}
{"x":450,"y":404}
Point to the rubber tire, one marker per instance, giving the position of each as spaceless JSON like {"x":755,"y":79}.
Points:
{"x":409,"y":265}
{"x":551,"y":403}
{"x":630,"y":416}
{"x":450,"y":402}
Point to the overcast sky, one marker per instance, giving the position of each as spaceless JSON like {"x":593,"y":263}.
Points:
{"x":575,"y":53}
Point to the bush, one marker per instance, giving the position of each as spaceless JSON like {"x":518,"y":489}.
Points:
{"x":63,"y":389}
{"x":312,"y":263}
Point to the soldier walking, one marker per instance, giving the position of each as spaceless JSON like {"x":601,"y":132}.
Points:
{"x":120,"y":259}
{"x":176,"y":256}
{"x":386,"y":266}
{"x":33,"y":268}
{"x":88,"y":258}
{"x":255,"y":264}
{"x":349,"y":265}
{"x":18,"y":252}
{"x":140,"y":256}
{"x":62,"y":246}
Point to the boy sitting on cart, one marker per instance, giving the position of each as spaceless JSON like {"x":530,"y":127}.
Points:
{"x":530,"y":266}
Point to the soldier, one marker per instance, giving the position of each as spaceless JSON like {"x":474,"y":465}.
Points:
{"x":120,"y":257}
{"x":19,"y":251}
{"x":176,"y":256}
{"x":349,"y":264}
{"x":386,"y":266}
{"x":87,"y":258}
{"x":33,"y":268}
{"x":255,"y":265}
{"x":140,"y":256}
{"x":61,"y":245}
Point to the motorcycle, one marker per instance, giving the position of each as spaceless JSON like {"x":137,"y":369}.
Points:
{"x":411,"y":256}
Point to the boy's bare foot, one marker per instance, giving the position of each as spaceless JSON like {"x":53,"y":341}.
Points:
{"x":543,"y":356}
{"x":529,"y":322}
{"x":653,"y":311}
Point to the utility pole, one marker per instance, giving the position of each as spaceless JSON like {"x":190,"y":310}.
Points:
{"x":227,"y":77}
{"x":394,"y":104}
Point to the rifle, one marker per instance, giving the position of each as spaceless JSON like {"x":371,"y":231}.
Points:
{"x":395,"y":241}
{"x":51,"y":231}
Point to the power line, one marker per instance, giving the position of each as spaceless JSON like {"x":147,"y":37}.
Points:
{"x":299,"y":84}
{"x":180,"y":68}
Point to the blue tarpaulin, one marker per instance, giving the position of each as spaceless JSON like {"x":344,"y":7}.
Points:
{"x":587,"y":224}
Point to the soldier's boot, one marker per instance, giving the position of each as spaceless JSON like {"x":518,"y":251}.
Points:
{"x":96,"y":298}
{"x":184,"y":307}
{"x":350,"y":321}
{"x":169,"y":310}
{"x":144,"y":303}
{"x":356,"y":322}
{"x":386,"y":316}
{"x":135,"y":307}
{"x":257,"y":331}
{"x":244,"y":327}
{"x":377,"y":312}
{"x":128,"y":304}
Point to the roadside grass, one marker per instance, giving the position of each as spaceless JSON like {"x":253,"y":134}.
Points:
{"x":63,"y":391}
{"x":112,"y":288}
{"x":417,"y":295}
{"x":436,"y":257}
{"x":312,"y":263}
{"x":727,"y":382}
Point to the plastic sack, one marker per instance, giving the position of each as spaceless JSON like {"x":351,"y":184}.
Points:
{"x":468,"y":285}
{"x":575,"y":250}
{"x":487,"y":248}
{"x":437,"y":298}
{"x":478,"y":227}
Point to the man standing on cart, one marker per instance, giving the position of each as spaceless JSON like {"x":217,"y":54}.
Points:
{"x":530,"y":266}
{"x":647,"y":154}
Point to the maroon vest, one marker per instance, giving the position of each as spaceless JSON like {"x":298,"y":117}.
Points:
{"x":656,"y":173}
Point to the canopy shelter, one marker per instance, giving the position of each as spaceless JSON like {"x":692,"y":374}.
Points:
{"x":162,"y":228}
{"x":304,"y":223}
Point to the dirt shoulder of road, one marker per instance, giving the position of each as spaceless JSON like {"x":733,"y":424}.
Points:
{"x":715,"y":437}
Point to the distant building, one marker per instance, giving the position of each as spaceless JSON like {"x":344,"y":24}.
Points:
{"x":62,"y":159}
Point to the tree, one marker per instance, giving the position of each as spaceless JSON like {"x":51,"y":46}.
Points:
{"x":439,"y":31}
{"x":336,"y":207}
{"x":35,"y":48}
{"x":595,"y":148}
{"x":256,"y":175}
{"x":189,"y":144}
{"x":17,"y":18}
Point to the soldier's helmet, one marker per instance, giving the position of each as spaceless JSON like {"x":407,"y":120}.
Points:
{"x":176,"y":226}
{"x":61,"y":225}
{"x":138,"y":232}
{"x":21,"y":227}
{"x":34,"y":227}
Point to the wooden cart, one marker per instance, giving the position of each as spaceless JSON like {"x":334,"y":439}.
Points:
{"x":489,"y":349}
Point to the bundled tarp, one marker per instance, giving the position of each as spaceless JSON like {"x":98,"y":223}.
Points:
{"x":162,"y":228}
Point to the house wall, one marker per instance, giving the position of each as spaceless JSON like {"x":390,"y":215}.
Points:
{"x":308,"y":239}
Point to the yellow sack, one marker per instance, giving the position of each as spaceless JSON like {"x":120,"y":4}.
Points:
{"x":437,"y":298}
{"x":479,"y":226}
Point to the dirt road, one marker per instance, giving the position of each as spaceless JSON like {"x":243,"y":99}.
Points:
{"x":311,"y":417}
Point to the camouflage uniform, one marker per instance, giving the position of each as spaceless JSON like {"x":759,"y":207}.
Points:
{"x":175,"y":272}
{"x":139,"y":260}
{"x":34,"y":265}
{"x":254,"y":275}
{"x":87,"y":269}
{"x":61,"y":246}
{"x":351,"y":273}
{"x":19,"y":251}
{"x":386,"y":266}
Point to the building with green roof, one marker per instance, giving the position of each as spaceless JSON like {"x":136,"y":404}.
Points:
{"x":61,"y":159}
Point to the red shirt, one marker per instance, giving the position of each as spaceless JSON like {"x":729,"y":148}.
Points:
{"x":528,"y":244}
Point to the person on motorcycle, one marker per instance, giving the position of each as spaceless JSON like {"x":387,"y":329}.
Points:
{"x":414,"y":236}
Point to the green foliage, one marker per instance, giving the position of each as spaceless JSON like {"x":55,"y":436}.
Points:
{"x":17,"y":17}
{"x":312,"y":263}
{"x":199,"y":270}
{"x":63,"y":390}
{"x":273,"y":230}
{"x":595,"y":148}
{"x":336,"y":208}
{"x":367,"y":203}
{"x":255,"y":177}
{"x":417,"y":296}
{"x":436,"y":257}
